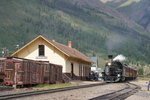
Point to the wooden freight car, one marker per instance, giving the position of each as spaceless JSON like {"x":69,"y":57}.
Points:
{"x":18,"y":71}
{"x":129,"y":73}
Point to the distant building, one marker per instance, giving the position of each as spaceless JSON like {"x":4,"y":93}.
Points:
{"x":95,"y":63}
{"x":72,"y":61}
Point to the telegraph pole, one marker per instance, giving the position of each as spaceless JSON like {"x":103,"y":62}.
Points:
{"x":5,"y":52}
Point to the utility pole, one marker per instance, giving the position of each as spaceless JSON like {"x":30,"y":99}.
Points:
{"x":5,"y":52}
{"x":17,"y":46}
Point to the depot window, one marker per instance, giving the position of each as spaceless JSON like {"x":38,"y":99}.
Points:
{"x":41,"y":50}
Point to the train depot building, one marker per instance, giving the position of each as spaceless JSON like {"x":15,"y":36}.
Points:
{"x":75,"y":64}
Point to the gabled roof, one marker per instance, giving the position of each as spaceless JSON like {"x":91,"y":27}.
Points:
{"x":70,"y":52}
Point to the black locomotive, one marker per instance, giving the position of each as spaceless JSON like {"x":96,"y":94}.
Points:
{"x":115,"y":71}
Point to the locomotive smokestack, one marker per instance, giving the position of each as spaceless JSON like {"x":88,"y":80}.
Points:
{"x":110,"y":57}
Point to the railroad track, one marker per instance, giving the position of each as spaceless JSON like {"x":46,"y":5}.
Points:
{"x":24,"y":94}
{"x":120,"y":94}
{"x":5,"y":88}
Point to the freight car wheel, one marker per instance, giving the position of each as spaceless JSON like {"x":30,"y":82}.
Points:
{"x":1,"y":82}
{"x":123,"y":79}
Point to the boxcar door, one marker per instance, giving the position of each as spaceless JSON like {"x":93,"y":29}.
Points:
{"x":46,"y":73}
{"x":19,"y":73}
{"x":9,"y":71}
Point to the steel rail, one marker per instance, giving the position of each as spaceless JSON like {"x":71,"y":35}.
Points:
{"x":5,"y":88}
{"x":120,"y":94}
{"x":24,"y":94}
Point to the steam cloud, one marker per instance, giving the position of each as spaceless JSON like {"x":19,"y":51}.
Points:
{"x":114,"y":42}
{"x":119,"y":58}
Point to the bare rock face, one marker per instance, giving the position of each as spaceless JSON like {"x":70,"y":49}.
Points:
{"x":148,"y":27}
{"x":145,"y":18}
{"x":97,"y":5}
{"x":138,"y":11}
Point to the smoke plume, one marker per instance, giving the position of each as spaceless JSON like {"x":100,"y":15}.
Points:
{"x":114,"y":42}
{"x":119,"y":58}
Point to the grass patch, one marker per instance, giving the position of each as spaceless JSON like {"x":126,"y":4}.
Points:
{"x":144,"y":76}
{"x":55,"y":86}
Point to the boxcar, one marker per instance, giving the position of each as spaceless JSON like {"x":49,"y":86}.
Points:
{"x":18,"y":71}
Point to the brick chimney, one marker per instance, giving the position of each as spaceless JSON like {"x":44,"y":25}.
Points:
{"x":70,"y":44}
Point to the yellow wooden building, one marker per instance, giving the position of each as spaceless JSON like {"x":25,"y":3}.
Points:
{"x":42,"y":49}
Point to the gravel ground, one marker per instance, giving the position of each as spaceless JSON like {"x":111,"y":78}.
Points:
{"x":17,"y":91}
{"x":87,"y":93}
{"x":21,"y":90}
{"x":78,"y":94}
{"x":143,"y":94}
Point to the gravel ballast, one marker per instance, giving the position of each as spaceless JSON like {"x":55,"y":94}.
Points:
{"x":143,"y":94}
{"x":88,"y":93}
{"x":78,"y":94}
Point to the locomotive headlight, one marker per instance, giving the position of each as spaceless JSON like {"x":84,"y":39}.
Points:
{"x":109,"y":64}
{"x":118,"y":75}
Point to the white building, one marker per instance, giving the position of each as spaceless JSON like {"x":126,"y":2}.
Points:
{"x":72,"y":61}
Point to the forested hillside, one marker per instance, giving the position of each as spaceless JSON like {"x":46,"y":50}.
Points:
{"x":138,"y":10}
{"x":93,"y":27}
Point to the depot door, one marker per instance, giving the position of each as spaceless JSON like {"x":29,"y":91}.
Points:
{"x":72,"y":70}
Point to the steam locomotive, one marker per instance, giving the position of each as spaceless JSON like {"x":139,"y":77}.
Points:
{"x":115,"y":71}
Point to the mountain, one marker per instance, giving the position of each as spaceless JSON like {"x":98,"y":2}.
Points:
{"x":94,"y":28}
{"x":137,"y":10}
